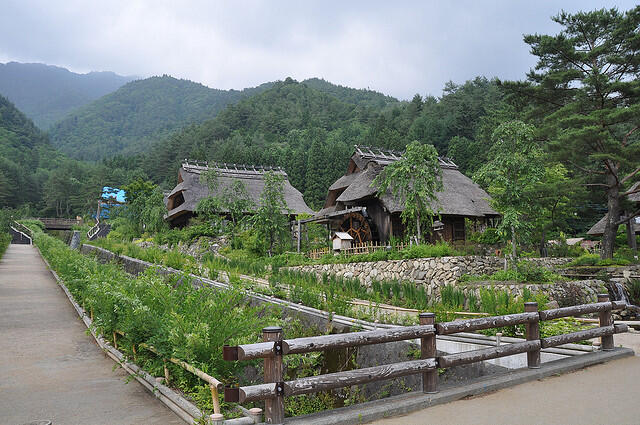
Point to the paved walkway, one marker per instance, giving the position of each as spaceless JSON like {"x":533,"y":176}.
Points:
{"x":602,"y":394}
{"x":50,"y":369}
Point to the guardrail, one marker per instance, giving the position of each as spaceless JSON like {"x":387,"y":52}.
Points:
{"x":23,"y":230}
{"x":59,"y":223}
{"x":274,"y":390}
{"x":93,"y":231}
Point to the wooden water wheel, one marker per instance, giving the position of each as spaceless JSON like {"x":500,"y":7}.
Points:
{"x":357,"y":226}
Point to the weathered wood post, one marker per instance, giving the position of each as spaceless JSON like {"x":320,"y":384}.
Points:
{"x":532,"y":332}
{"x":274,"y":407}
{"x":428,"y":350}
{"x":605,"y":320}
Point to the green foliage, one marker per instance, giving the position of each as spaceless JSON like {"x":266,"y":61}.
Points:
{"x":524,"y":271}
{"x":5,"y":240}
{"x":489,"y":236}
{"x":515,"y":167}
{"x":139,"y":113}
{"x":414,"y":179}
{"x":178,"y":319}
{"x":584,"y":92}
{"x":270,"y":221}
{"x":595,"y":260}
{"x":633,"y":287}
{"x":144,"y":211}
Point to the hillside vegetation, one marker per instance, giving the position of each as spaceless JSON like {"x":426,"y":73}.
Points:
{"x":47,"y":93}
{"x":140,"y":112}
{"x":310,"y":132}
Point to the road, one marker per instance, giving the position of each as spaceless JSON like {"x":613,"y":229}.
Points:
{"x":601,"y":394}
{"x":50,"y":369}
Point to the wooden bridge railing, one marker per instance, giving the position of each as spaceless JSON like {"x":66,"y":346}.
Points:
{"x":59,"y":223}
{"x":275,"y":346}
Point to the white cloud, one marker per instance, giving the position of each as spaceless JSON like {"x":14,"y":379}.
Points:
{"x":398,"y":48}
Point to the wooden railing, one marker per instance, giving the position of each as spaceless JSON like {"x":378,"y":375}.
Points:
{"x":214,"y":385}
{"x":59,"y":223}
{"x":356,"y":249}
{"x":274,"y":347}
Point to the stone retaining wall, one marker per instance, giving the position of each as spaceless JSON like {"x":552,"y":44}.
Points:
{"x":427,"y":271}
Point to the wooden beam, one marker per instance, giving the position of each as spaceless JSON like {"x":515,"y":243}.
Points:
{"x":474,"y":356}
{"x":579,"y":310}
{"x":353,"y":339}
{"x":470,"y":325}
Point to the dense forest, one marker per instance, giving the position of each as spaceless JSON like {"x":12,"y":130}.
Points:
{"x":47,"y":93}
{"x":130,"y":119}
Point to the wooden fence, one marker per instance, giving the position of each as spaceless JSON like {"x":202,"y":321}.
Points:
{"x":356,"y":249}
{"x":274,"y":347}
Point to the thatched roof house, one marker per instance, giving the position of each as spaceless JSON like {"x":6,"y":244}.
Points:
{"x":353,"y":206}
{"x":598,"y":228}
{"x":181,"y":202}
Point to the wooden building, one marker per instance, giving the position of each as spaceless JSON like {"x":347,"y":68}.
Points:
{"x":352,"y":204}
{"x":634,"y":222}
{"x":181,"y":202}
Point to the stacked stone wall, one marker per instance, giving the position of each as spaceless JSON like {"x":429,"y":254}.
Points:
{"x":427,"y":271}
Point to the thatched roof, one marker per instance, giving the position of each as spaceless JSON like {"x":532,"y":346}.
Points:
{"x":598,"y":228}
{"x":192,"y":190}
{"x":634,"y":197}
{"x":460,"y":195}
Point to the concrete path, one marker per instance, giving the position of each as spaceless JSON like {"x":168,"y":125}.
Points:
{"x":50,"y":369}
{"x":601,"y":394}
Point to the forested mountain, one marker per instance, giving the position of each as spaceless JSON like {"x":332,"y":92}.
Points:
{"x":22,"y":148}
{"x":140,"y":112}
{"x":311,"y":133}
{"x":36,"y":177}
{"x":363,"y":97}
{"x":47,"y":93}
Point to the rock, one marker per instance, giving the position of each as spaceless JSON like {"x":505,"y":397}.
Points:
{"x":552,"y":304}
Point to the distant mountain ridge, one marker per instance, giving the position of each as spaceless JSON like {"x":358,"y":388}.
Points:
{"x":46,"y":93}
{"x":139,"y":113}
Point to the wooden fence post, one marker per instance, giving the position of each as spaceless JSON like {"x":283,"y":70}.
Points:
{"x":532,"y":332}
{"x":274,"y":407}
{"x":428,"y":350}
{"x":605,"y":320}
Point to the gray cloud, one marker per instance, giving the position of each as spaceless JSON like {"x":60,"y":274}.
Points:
{"x":399,"y":48}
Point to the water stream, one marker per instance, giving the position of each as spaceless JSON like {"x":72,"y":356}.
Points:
{"x":619,"y":292}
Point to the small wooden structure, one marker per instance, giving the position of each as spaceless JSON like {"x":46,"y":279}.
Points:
{"x":341,"y":240}
{"x":274,"y":347}
{"x":353,"y":205}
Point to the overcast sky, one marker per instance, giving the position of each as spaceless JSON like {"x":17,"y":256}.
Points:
{"x":396,"y":47}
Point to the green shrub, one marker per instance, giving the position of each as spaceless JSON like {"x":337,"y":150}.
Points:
{"x":5,"y":240}
{"x":489,"y":237}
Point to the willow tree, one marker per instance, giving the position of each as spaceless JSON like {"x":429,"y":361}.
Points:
{"x":586,"y":91}
{"x":414,"y":179}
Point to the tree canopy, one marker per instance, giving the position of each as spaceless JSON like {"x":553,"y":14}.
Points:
{"x":584,"y":91}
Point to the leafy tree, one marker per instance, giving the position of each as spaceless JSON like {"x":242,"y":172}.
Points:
{"x":270,"y":220}
{"x":145,"y":207}
{"x":415,"y":179}
{"x":555,"y":196}
{"x":515,"y":168}
{"x":586,"y":91}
